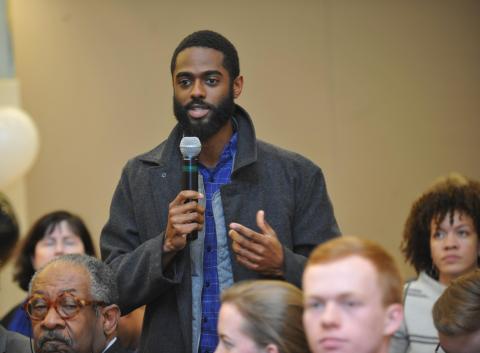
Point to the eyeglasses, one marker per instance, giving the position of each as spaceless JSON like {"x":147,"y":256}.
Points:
{"x":66,"y":305}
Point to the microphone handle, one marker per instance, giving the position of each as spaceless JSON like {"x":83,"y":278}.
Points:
{"x":190,"y":182}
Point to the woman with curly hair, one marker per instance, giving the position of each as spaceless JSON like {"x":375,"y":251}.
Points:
{"x":56,"y":233}
{"x":441,"y":241}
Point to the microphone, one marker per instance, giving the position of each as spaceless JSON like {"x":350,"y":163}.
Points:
{"x":190,"y":148}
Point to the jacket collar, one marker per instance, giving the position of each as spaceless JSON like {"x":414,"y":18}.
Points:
{"x":169,"y":151}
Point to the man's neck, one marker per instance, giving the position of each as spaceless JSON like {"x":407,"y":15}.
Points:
{"x":384,"y":346}
{"x":213,"y":147}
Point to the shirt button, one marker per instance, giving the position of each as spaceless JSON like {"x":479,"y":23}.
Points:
{"x":209,"y":214}
{"x":205,"y":319}
{"x":207,"y":284}
{"x":209,"y":248}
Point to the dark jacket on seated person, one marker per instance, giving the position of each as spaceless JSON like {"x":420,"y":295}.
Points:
{"x":12,"y":342}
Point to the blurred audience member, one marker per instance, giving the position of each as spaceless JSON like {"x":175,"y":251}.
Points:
{"x":8,"y":229}
{"x":441,"y":241}
{"x":54,"y":234}
{"x":261,"y":316}
{"x":72,"y":306}
{"x":10,"y":342}
{"x":456,"y":315}
{"x":352,"y":297}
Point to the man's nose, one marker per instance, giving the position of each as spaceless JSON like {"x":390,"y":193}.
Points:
{"x":52,"y":320}
{"x":198,"y":90}
{"x":331,"y":315}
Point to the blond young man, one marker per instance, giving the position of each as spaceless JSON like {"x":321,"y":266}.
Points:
{"x":352,"y":297}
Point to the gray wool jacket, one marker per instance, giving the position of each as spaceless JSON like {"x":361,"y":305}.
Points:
{"x":288,"y":187}
{"x":12,"y":342}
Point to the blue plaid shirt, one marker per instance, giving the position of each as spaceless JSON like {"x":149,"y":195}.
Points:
{"x":213,"y":179}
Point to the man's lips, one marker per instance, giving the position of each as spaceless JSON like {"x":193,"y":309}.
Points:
{"x":198,"y":112}
{"x":332,"y":342}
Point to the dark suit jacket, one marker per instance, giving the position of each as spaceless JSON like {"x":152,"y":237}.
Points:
{"x":290,"y":188}
{"x":12,"y":342}
{"x":116,"y":347}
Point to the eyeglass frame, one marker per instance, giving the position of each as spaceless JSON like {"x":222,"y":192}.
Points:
{"x":81,"y":303}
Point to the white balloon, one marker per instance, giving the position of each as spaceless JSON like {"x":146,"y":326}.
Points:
{"x":18,"y":144}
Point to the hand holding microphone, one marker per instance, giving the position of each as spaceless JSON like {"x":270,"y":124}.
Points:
{"x":185,"y":215}
{"x":190,"y":148}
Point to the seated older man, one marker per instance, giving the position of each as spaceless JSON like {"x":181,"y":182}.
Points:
{"x":72,"y":305}
{"x":456,"y":315}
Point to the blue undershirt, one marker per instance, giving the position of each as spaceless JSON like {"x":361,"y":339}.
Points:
{"x":213,"y":179}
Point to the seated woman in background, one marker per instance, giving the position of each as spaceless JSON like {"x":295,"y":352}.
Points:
{"x":9,"y":232}
{"x":441,"y":241}
{"x":54,"y":234}
{"x":261,"y":316}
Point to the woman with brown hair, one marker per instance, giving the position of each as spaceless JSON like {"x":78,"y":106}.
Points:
{"x":56,"y":233}
{"x":261,"y":316}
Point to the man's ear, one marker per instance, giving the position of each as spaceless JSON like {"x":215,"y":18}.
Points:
{"x":110,"y":317}
{"x":271,"y":348}
{"x":237,"y":86}
{"x":393,"y":319}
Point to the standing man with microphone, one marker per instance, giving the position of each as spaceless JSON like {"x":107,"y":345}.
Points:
{"x":259,"y":210}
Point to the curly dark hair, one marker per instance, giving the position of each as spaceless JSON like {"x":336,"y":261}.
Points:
{"x":450,"y":194}
{"x":45,"y":225}
{"x":212,"y":40}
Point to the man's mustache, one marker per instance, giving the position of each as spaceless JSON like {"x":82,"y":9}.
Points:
{"x":198,"y":103}
{"x":53,"y":336}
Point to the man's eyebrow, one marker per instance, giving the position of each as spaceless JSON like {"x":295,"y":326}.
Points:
{"x":42,"y":292}
{"x":203,"y":74}
{"x":341,"y":295}
{"x":183,"y":74}
{"x":212,"y":72}
{"x":38,"y":292}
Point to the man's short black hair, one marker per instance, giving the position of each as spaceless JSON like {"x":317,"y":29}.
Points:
{"x":212,"y":40}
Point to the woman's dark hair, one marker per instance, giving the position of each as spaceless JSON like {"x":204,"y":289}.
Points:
{"x":45,"y":225}
{"x":8,"y":229}
{"x":450,"y":194}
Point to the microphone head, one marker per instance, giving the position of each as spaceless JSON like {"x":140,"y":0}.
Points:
{"x":190,"y":146}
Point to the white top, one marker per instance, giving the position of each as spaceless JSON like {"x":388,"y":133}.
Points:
{"x":417,"y":333}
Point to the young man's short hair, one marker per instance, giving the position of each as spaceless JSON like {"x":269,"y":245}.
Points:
{"x":339,"y":248}
{"x":457,"y":311}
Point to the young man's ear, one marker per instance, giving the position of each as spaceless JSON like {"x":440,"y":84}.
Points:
{"x":393,"y":319}
{"x":271,"y":348}
{"x":110,"y":316}
{"x":237,"y":86}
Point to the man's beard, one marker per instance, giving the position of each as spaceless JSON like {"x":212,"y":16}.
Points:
{"x":53,"y":341}
{"x":205,"y":127}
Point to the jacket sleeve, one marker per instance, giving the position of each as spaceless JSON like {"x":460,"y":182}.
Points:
{"x":137,"y":261}
{"x":314,"y":222}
